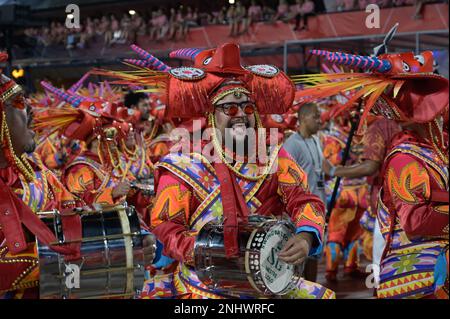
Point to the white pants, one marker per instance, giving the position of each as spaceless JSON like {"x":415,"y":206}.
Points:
{"x":378,"y":248}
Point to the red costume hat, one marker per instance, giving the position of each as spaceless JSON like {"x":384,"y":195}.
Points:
{"x":400,"y":87}
{"x":188,"y":91}
{"x":85,"y":118}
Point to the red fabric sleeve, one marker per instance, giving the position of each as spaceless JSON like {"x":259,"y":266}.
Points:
{"x":410,"y":185}
{"x":170,"y":216}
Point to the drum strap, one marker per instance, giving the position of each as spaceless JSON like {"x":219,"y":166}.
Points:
{"x":235,"y":209}
{"x":14,"y":213}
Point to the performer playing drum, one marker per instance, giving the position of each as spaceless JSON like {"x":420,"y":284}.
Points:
{"x":193,"y":190}
{"x":25,"y":189}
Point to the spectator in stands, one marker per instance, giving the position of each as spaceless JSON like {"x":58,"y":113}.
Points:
{"x":117,"y":33}
{"x":282,"y":11}
{"x":173,"y":24}
{"x":57,"y":32}
{"x":71,"y":39}
{"x":158,"y":22}
{"x":103,"y":27}
{"x":231,"y":18}
{"x":190,"y":20}
{"x":303,"y":9}
{"x":137,"y":27}
{"x":162,"y":25}
{"x":181,"y":20}
{"x":153,"y":26}
{"x":44,"y":37}
{"x":90,"y":27}
{"x":125,"y":28}
{"x":138,"y":24}
{"x":254,"y":14}
{"x":241,"y":19}
{"x":111,"y":27}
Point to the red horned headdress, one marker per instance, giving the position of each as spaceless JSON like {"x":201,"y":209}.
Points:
{"x":399,"y":86}
{"x":82,"y":117}
{"x":190,"y":92}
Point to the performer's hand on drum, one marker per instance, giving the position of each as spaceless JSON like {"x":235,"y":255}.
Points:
{"x":121,"y":190}
{"x":149,"y":242}
{"x":296,"y":249}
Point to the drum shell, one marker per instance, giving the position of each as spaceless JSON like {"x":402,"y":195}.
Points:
{"x":214,"y":262}
{"x":235,"y":276}
{"x":103,"y":269}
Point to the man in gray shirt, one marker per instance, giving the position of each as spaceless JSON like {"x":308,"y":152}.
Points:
{"x":305,"y":148}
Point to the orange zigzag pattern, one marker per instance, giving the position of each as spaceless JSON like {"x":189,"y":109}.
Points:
{"x":412,"y":177}
{"x":171,"y":203}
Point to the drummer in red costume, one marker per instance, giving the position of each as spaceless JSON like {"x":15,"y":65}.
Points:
{"x":193,"y":190}
{"x":413,"y":201}
{"x":25,"y":189}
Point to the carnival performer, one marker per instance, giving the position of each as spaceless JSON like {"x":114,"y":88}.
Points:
{"x":25,"y":189}
{"x":376,"y":143}
{"x":413,"y":201}
{"x":193,"y":189}
{"x":344,"y":230}
{"x":97,"y":174}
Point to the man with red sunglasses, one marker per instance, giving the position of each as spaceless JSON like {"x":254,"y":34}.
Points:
{"x":236,"y":181}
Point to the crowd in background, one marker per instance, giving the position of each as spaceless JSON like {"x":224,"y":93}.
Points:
{"x":173,"y":23}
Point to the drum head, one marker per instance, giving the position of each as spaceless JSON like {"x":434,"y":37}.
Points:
{"x":276,"y":274}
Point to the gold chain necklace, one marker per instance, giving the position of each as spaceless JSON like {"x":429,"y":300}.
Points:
{"x":129,"y":154}
{"x":218,"y":149}
{"x":111,"y":159}
{"x":152,"y":133}
{"x":21,"y":164}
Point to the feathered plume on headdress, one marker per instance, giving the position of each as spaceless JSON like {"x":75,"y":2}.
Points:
{"x":188,"y":91}
{"x":81,"y":116}
{"x":401,"y":86}
{"x":148,"y":60}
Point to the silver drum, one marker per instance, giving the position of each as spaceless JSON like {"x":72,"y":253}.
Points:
{"x":112,"y":258}
{"x":257,"y":271}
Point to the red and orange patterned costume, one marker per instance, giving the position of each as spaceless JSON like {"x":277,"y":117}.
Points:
{"x":192,"y":190}
{"x":26,"y":187}
{"x":413,"y":202}
{"x":344,"y":231}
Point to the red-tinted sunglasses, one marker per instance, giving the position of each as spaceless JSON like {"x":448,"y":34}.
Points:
{"x":232,"y":109}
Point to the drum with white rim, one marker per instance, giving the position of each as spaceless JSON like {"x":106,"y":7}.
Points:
{"x":257,"y":271}
{"x":112,"y":256}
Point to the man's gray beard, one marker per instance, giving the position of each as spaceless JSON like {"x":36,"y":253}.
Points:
{"x":241,"y":148}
